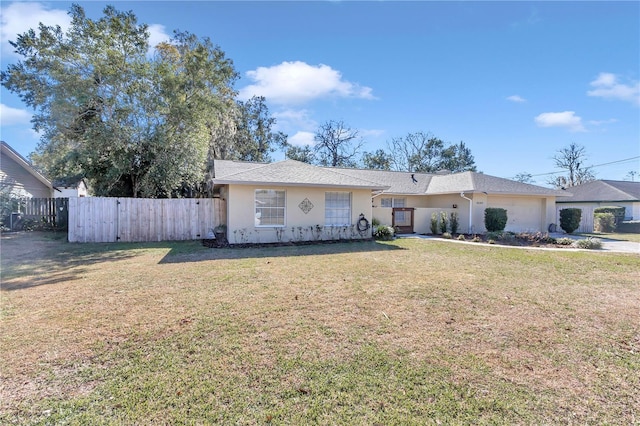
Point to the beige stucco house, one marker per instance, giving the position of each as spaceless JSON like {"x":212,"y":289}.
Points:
{"x":601,"y":193}
{"x":293,"y":201}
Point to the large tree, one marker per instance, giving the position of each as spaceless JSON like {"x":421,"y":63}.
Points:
{"x":571,"y":160}
{"x":337,"y":145}
{"x":422,"y":152}
{"x":378,"y":160}
{"x":131,"y":123}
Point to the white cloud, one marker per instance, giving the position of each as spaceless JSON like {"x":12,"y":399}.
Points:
{"x":602,"y":122}
{"x":607,"y":86}
{"x":157,"y":34}
{"x":371,"y":132}
{"x":567,"y":119}
{"x":10,"y":116}
{"x":19,"y":17}
{"x":302,"y":139}
{"x":291,"y":83}
{"x":289,"y":119}
{"x":516,"y":98}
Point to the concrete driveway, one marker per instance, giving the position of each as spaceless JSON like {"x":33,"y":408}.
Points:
{"x":607,"y":244}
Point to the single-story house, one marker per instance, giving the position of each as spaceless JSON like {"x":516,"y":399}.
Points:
{"x":70,"y":187}
{"x":601,"y":193}
{"x":291,"y":201}
{"x":19,"y":178}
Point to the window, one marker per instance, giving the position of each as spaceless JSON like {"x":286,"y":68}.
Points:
{"x":337,"y":208}
{"x":392,"y":202}
{"x":270,"y":207}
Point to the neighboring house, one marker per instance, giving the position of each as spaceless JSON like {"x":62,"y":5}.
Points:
{"x":600,"y":193}
{"x":72,"y":187}
{"x":290,"y":201}
{"x":19,"y":178}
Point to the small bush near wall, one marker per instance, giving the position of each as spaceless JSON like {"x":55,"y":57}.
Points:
{"x":617,"y":212}
{"x":495,"y":219}
{"x":570,"y":219}
{"x":443,"y":222}
{"x":434,"y":223}
{"x":604,"y":222}
{"x":454,"y":223}
{"x":383,"y":232}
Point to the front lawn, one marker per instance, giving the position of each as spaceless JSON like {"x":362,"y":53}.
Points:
{"x":401,"y":332}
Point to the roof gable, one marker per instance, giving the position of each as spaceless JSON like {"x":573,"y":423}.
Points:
{"x":405,"y":183}
{"x":604,"y":190}
{"x":11,"y":153}
{"x":479,"y":182}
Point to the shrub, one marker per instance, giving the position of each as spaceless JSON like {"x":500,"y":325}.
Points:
{"x":443,"y":222}
{"x":537,"y":237}
{"x":375,"y":222}
{"x":454,"y":223}
{"x":495,"y":219}
{"x":383,"y":232}
{"x":461,"y":237}
{"x":588,"y":243}
{"x":617,"y":212}
{"x":604,"y":222}
{"x":476,"y":239}
{"x":493,"y":235}
{"x":570,"y":219}
{"x":447,"y":235}
{"x":434,"y":223}
{"x":564,"y":241}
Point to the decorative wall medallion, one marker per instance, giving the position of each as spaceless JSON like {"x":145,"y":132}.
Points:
{"x":305,"y":205}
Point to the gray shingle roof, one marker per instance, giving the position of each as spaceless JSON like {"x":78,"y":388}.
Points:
{"x":398,"y":182}
{"x":603,"y":190}
{"x":479,"y":182}
{"x":288,"y":173}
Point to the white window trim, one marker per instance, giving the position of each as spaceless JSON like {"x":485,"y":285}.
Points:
{"x":393,"y":202}
{"x":284,"y":215}
{"x":350,"y":209}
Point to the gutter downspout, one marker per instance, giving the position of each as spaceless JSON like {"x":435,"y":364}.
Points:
{"x":470,"y":211}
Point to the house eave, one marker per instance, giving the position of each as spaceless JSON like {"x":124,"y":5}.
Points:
{"x":296,"y":184}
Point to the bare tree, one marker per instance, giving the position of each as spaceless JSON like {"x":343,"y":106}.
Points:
{"x":422,"y":152}
{"x":337,"y":145}
{"x":524,"y":177}
{"x":572,"y":160}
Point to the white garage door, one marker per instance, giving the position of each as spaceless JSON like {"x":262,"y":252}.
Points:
{"x":523,"y":214}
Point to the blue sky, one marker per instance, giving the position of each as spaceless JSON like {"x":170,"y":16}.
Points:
{"x":516,"y":81}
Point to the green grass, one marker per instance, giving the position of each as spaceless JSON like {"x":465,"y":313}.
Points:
{"x":402,"y":332}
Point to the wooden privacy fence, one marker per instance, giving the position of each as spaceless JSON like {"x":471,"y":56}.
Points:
{"x":100,"y":219}
{"x":41,"y":212}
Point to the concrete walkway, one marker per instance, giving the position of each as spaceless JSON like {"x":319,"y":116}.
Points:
{"x":608,"y":245}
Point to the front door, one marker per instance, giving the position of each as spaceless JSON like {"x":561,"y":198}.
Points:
{"x":402,"y":220}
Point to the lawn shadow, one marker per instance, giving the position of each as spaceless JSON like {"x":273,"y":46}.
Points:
{"x":262,"y":251}
{"x":32,"y":259}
